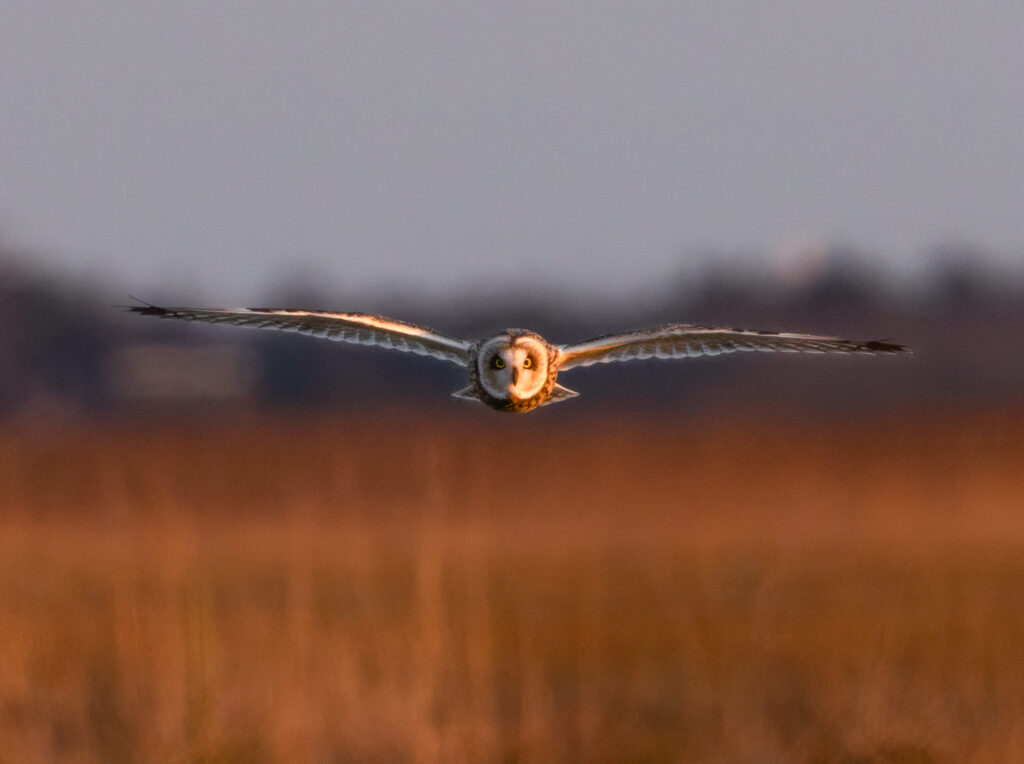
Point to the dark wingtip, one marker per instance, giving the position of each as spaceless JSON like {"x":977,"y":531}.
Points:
{"x":146,"y":308}
{"x":884,"y":346}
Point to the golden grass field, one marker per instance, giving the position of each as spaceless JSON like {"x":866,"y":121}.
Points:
{"x":535,"y":589}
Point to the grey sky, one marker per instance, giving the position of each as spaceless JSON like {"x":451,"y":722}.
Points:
{"x":585,"y":145}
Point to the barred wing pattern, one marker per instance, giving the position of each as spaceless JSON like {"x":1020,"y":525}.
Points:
{"x":691,"y":341}
{"x":356,"y":328}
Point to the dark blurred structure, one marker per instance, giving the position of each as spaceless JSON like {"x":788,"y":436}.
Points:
{"x":64,"y":348}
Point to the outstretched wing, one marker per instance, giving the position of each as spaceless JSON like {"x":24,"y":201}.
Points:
{"x":689,"y":341}
{"x":357,"y":328}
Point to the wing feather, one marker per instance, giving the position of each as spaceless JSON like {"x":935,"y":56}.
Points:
{"x":355,"y":328}
{"x":691,"y":341}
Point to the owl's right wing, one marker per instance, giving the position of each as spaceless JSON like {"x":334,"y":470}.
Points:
{"x":356,"y":328}
{"x":690,"y":341}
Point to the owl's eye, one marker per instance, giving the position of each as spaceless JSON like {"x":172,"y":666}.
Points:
{"x":498,"y":362}
{"x":527,"y":362}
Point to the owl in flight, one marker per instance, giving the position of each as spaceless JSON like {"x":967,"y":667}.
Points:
{"x":517,"y":370}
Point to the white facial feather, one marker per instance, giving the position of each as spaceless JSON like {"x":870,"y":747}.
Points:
{"x":513,"y":371}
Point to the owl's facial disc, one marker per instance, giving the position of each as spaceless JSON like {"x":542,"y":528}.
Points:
{"x":513,"y":370}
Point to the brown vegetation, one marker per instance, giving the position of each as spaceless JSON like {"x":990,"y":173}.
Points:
{"x":490,"y":588}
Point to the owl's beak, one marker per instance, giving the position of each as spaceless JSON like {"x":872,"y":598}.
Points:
{"x":515,"y":376}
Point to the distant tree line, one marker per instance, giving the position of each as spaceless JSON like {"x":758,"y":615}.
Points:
{"x":964,"y":321}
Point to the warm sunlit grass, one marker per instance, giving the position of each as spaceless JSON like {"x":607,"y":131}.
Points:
{"x":497,"y":589}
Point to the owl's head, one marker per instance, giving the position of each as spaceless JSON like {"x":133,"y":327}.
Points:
{"x":513,"y":366}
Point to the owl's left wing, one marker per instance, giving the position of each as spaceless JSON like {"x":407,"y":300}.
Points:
{"x":356,"y":328}
{"x":690,"y":341}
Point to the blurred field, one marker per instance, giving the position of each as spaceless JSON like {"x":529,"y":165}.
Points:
{"x":489,"y":588}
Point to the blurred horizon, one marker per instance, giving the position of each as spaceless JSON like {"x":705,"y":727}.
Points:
{"x":67,"y":348}
{"x":797,"y":263}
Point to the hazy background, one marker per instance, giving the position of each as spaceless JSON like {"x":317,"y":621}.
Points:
{"x":220,"y":545}
{"x":213,"y":150}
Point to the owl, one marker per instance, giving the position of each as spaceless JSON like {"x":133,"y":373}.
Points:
{"x":517,"y":370}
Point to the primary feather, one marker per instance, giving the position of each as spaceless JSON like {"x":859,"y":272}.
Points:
{"x":355,"y":328}
{"x":691,"y":341}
